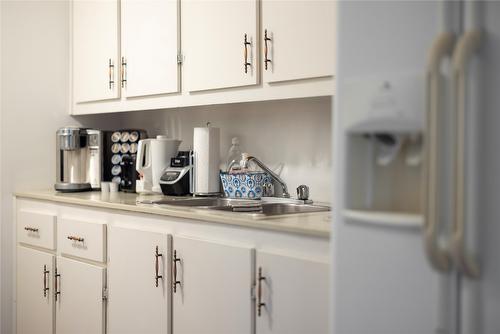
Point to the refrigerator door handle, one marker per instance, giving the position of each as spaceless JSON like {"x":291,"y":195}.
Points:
{"x":467,"y":46}
{"x":438,"y":256}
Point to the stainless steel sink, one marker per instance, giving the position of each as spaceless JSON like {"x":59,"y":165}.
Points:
{"x":274,"y":209}
{"x":277,"y":209}
{"x":206,"y":202}
{"x":253,"y":207}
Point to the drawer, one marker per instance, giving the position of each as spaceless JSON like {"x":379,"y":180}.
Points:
{"x":36,"y":229}
{"x":83,"y":239}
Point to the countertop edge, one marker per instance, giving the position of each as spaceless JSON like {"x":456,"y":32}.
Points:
{"x":272,"y":224}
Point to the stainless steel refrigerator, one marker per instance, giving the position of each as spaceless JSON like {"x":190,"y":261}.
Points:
{"x":416,"y":230}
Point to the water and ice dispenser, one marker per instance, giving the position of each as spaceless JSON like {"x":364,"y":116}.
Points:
{"x":383,"y":121}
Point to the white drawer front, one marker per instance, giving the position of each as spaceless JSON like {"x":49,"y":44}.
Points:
{"x":36,"y":229}
{"x":82,"y":239}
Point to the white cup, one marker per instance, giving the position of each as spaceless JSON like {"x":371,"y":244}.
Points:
{"x":113,"y":187}
{"x":105,"y":187}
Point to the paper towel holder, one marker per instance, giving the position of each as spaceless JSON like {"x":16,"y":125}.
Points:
{"x":206,"y":148}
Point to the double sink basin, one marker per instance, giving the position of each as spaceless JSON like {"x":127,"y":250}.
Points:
{"x":266,"y":207}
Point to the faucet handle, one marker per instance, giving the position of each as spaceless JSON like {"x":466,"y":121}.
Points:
{"x":303,"y":192}
{"x":267,"y":190}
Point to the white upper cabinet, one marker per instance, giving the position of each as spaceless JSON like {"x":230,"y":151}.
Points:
{"x":95,"y":50}
{"x":150,"y":46}
{"x":212,"y":287}
{"x":155,"y":54}
{"x":292,"y":295}
{"x":220,"y":44}
{"x":139,"y":282}
{"x":300,"y":39}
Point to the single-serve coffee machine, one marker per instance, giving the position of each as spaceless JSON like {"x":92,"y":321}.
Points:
{"x":177,"y":180}
{"x":79,"y":159}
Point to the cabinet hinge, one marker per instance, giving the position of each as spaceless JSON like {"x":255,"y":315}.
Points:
{"x":179,"y":58}
{"x":105,"y":294}
{"x":253,"y":295}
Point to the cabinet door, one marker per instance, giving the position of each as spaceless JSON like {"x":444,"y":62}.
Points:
{"x":35,"y":293}
{"x":79,"y":303}
{"x":213,"y":295}
{"x":150,"y":42}
{"x":138,"y":301}
{"x":302,"y":39}
{"x":213,"y":43}
{"x":95,"y":50}
{"x":295,"y":294}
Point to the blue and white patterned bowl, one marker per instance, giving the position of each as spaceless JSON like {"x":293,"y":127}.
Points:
{"x":244,"y":185}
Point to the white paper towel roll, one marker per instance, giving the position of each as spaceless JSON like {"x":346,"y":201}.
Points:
{"x":206,"y":147}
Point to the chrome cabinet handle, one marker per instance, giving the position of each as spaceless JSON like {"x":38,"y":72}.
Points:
{"x":124,"y":72}
{"x":246,"y":43}
{"x":157,"y":266}
{"x":439,"y":258}
{"x":45,"y":279}
{"x":74,"y":238}
{"x":466,"y":47}
{"x":57,"y":276}
{"x":31,"y":229}
{"x":266,"y":50}
{"x":260,"y":304}
{"x":111,"y":68}
{"x":175,"y":281}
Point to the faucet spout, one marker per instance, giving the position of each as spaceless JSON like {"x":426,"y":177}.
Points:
{"x":273,"y":175}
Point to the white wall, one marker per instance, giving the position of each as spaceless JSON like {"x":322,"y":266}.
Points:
{"x":294,"y":133}
{"x":34,"y":70}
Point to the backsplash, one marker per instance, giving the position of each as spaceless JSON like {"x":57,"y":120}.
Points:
{"x":294,"y":135}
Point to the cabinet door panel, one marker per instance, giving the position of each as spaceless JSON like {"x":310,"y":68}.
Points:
{"x":213,"y":35}
{"x":136,"y":304}
{"x":149,"y":30}
{"x":295,"y":293}
{"x":214,"y":295}
{"x":95,"y":45}
{"x":79,"y":306}
{"x":302,"y":37}
{"x":34,"y":309}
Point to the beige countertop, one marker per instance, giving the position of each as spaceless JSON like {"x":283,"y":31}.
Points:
{"x":313,"y":224}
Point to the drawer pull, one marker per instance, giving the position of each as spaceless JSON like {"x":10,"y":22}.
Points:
{"x":266,"y":50}
{"x":45,"y":274}
{"x":246,"y":43}
{"x":175,"y":282}
{"x":260,"y":304}
{"x":31,"y":229}
{"x":157,"y":267}
{"x":70,"y":237}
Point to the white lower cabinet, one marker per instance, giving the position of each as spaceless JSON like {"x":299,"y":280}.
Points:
{"x":80,"y":306}
{"x":139,"y":282}
{"x":213,"y":284}
{"x":201,"y":279}
{"x":35,"y":270}
{"x":292,"y":295}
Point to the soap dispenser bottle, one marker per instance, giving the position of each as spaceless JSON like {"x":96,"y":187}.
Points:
{"x":234,"y":156}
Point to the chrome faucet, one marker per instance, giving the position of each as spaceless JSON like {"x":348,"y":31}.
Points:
{"x":244,"y":164}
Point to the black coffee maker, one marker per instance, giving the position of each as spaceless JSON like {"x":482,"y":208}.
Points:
{"x":177,"y":180}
